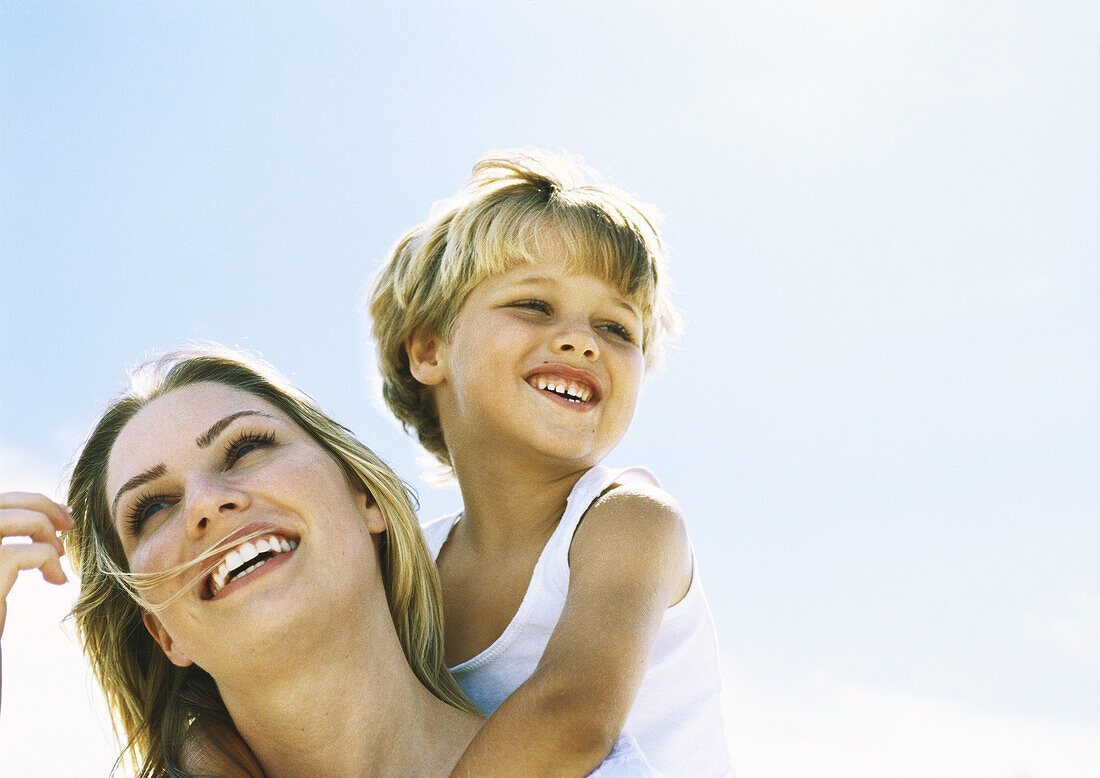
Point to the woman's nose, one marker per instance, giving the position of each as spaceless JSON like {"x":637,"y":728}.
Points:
{"x":210,"y":501}
{"x":577,"y":338}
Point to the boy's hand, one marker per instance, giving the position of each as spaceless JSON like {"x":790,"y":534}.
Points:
{"x":629,"y":561}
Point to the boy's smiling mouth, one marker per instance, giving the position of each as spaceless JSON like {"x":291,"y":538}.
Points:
{"x":575,"y":386}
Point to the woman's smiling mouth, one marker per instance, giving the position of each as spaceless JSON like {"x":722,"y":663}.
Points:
{"x":254,"y":548}
{"x":247,"y":557}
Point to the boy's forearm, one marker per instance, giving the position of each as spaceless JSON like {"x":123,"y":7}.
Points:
{"x":537,"y":731}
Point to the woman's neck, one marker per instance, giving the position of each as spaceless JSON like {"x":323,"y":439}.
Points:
{"x":351,"y":708}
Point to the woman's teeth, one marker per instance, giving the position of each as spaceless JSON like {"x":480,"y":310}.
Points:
{"x":237,"y":562}
{"x":569,"y":389}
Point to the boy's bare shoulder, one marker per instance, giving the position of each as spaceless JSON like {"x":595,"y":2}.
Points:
{"x":640,"y":529}
{"x":638,"y":503}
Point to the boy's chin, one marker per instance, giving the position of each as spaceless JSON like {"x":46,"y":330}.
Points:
{"x":571,"y":454}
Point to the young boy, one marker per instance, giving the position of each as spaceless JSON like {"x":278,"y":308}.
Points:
{"x":514,"y":328}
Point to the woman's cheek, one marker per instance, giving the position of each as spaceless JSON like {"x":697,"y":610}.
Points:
{"x":152,"y":556}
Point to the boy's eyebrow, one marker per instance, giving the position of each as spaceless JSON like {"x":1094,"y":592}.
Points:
{"x":627,"y":306}
{"x":618,"y":300}
{"x":533,"y":279}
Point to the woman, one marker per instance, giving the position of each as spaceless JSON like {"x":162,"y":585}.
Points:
{"x":253,"y":580}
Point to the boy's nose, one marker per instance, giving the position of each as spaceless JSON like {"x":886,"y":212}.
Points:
{"x":577,"y":339}
{"x":210,"y":501}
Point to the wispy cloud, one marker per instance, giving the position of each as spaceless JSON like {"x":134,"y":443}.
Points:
{"x":826,"y":728}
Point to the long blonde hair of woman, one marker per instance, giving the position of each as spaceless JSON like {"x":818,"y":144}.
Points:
{"x":155,"y":703}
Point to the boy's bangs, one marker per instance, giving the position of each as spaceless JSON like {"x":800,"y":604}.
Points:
{"x":602,"y":244}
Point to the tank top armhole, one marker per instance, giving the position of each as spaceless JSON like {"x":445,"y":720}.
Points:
{"x":692,"y":593}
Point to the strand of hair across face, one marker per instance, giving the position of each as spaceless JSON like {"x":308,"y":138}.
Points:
{"x":138,"y":583}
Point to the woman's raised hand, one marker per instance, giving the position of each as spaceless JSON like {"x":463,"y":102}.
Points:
{"x":37,"y":519}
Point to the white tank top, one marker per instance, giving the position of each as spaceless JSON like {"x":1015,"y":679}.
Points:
{"x":677,"y":715}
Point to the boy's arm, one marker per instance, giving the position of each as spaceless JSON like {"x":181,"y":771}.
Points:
{"x":629,"y":561}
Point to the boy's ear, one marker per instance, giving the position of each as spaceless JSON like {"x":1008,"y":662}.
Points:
{"x":425,"y":352}
{"x":164,"y":640}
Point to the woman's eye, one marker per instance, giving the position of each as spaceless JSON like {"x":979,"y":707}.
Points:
{"x":144,"y":509}
{"x":240,"y":452}
{"x":245,"y":444}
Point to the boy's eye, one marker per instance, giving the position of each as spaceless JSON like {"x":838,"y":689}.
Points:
{"x":618,"y":330}
{"x":533,"y":305}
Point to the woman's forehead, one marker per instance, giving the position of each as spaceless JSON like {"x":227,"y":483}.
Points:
{"x":180,"y":419}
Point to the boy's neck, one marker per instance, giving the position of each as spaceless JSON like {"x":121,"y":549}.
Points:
{"x":505,"y":502}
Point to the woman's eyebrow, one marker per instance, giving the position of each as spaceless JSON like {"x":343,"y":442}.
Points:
{"x":144,"y":477}
{"x":206,"y":438}
{"x":202,"y":441}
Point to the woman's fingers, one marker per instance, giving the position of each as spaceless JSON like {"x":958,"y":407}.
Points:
{"x":28,"y":556}
{"x":34,"y":516}
{"x":37,"y":518}
{"x":19,"y":522}
{"x":57,"y":514}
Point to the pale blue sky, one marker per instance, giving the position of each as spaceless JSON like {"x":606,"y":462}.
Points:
{"x":881,"y":422}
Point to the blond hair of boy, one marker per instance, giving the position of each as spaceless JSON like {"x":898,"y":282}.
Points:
{"x":493,"y":224}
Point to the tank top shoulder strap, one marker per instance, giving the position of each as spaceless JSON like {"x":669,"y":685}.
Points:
{"x":555,"y":556}
{"x":437,"y":531}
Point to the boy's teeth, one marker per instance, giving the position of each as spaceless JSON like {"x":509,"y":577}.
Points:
{"x":245,"y":553}
{"x":578,"y":391}
{"x":574,"y":391}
